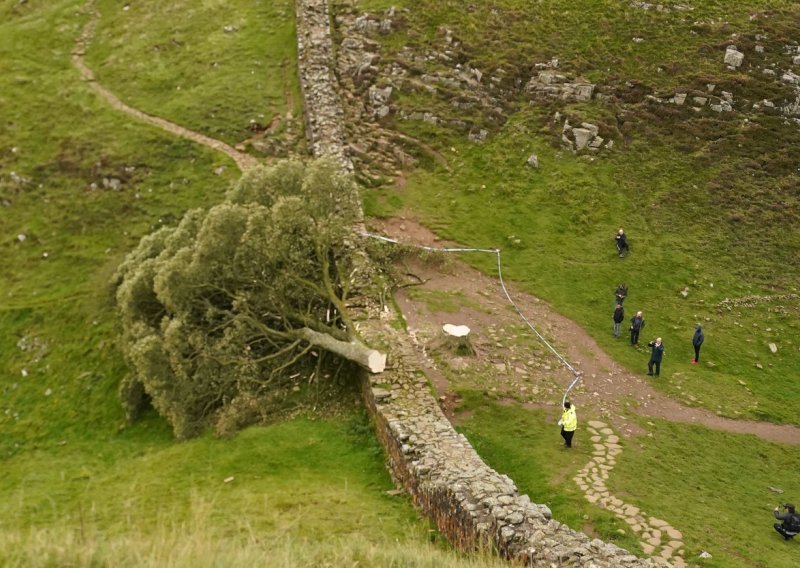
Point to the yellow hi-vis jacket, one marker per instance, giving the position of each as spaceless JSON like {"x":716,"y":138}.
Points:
{"x":569,"y":420}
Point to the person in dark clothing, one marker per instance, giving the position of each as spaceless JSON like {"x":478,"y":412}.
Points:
{"x":637,"y":325}
{"x":655,"y":357}
{"x":790,"y":526}
{"x":620,"y":294}
{"x":697,"y":341}
{"x":618,"y":317}
{"x":622,"y":243}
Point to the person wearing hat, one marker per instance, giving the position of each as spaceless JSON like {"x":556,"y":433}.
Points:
{"x":568,"y":423}
{"x":790,"y":526}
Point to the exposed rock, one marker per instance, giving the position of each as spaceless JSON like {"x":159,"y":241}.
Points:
{"x":551,"y":84}
{"x":733,"y":57}
{"x":773,"y":347}
{"x":533,"y":161}
{"x":582,"y":137}
{"x":478,"y":135}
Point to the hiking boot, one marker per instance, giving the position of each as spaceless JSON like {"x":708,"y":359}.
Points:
{"x":649,"y":374}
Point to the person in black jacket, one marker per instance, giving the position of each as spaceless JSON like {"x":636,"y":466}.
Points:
{"x":622,"y":243}
{"x":655,"y":357}
{"x":697,"y":341}
{"x":637,"y":325}
{"x":618,"y":317}
{"x":790,"y":526}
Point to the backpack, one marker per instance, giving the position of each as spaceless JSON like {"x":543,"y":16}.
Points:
{"x":793,"y":523}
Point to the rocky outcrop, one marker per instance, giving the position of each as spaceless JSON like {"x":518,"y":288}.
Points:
{"x":552,"y":84}
{"x":323,"y":108}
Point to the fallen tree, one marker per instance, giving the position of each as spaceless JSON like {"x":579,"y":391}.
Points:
{"x":236,"y":301}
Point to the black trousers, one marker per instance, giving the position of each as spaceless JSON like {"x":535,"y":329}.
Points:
{"x":634,"y":336}
{"x":697,"y":352}
{"x":783,"y":531}
{"x":650,"y":367}
{"x":567,"y":435}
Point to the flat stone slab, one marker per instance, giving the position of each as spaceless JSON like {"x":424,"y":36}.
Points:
{"x":674,"y":534}
{"x":596,"y":424}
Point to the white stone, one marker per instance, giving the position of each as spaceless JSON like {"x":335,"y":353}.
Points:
{"x":582,"y":137}
{"x":733,"y":56}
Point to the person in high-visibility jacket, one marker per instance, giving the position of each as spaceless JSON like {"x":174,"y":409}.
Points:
{"x":568,"y":423}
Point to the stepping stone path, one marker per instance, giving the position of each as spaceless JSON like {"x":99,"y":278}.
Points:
{"x":658,"y":538}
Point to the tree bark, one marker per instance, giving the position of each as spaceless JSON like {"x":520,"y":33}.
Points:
{"x":353,"y":350}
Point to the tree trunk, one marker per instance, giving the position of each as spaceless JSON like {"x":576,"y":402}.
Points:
{"x":353,"y":350}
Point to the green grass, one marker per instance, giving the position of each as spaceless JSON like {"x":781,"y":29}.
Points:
{"x":711,"y":486}
{"x":300,"y":478}
{"x":526,"y":446}
{"x":707,"y":199}
{"x":176,"y":60}
{"x":300,"y":491}
{"x":564,"y":217}
{"x":79,"y":487}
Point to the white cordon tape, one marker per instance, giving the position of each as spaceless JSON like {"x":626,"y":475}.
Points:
{"x":505,"y":291}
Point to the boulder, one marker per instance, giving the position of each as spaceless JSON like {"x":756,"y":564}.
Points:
{"x":733,"y":56}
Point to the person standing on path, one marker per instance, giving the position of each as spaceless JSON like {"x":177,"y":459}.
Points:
{"x":618,"y":317}
{"x":637,"y":325}
{"x":697,"y":341}
{"x":656,"y":357}
{"x":568,"y":423}
{"x":622,"y":243}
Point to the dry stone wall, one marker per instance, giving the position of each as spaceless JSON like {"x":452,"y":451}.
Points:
{"x":471,"y":504}
{"x":323,"y":108}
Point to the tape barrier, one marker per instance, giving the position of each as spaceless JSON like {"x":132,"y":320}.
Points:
{"x":496,"y":252}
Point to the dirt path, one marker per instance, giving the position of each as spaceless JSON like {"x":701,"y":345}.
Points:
{"x":607,"y":388}
{"x":243,"y":161}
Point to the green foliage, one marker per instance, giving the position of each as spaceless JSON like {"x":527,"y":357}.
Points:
{"x":211,"y":308}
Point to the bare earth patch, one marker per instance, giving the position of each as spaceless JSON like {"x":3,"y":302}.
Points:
{"x":510,"y":362}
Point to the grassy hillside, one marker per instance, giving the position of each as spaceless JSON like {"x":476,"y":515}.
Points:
{"x":720,"y":499}
{"x":226,"y":69}
{"x":709,"y":199}
{"x":80,"y":488}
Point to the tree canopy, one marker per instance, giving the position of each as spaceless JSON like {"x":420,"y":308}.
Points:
{"x":226,"y":307}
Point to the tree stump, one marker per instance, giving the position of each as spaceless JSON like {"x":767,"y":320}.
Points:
{"x":456,"y":339}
